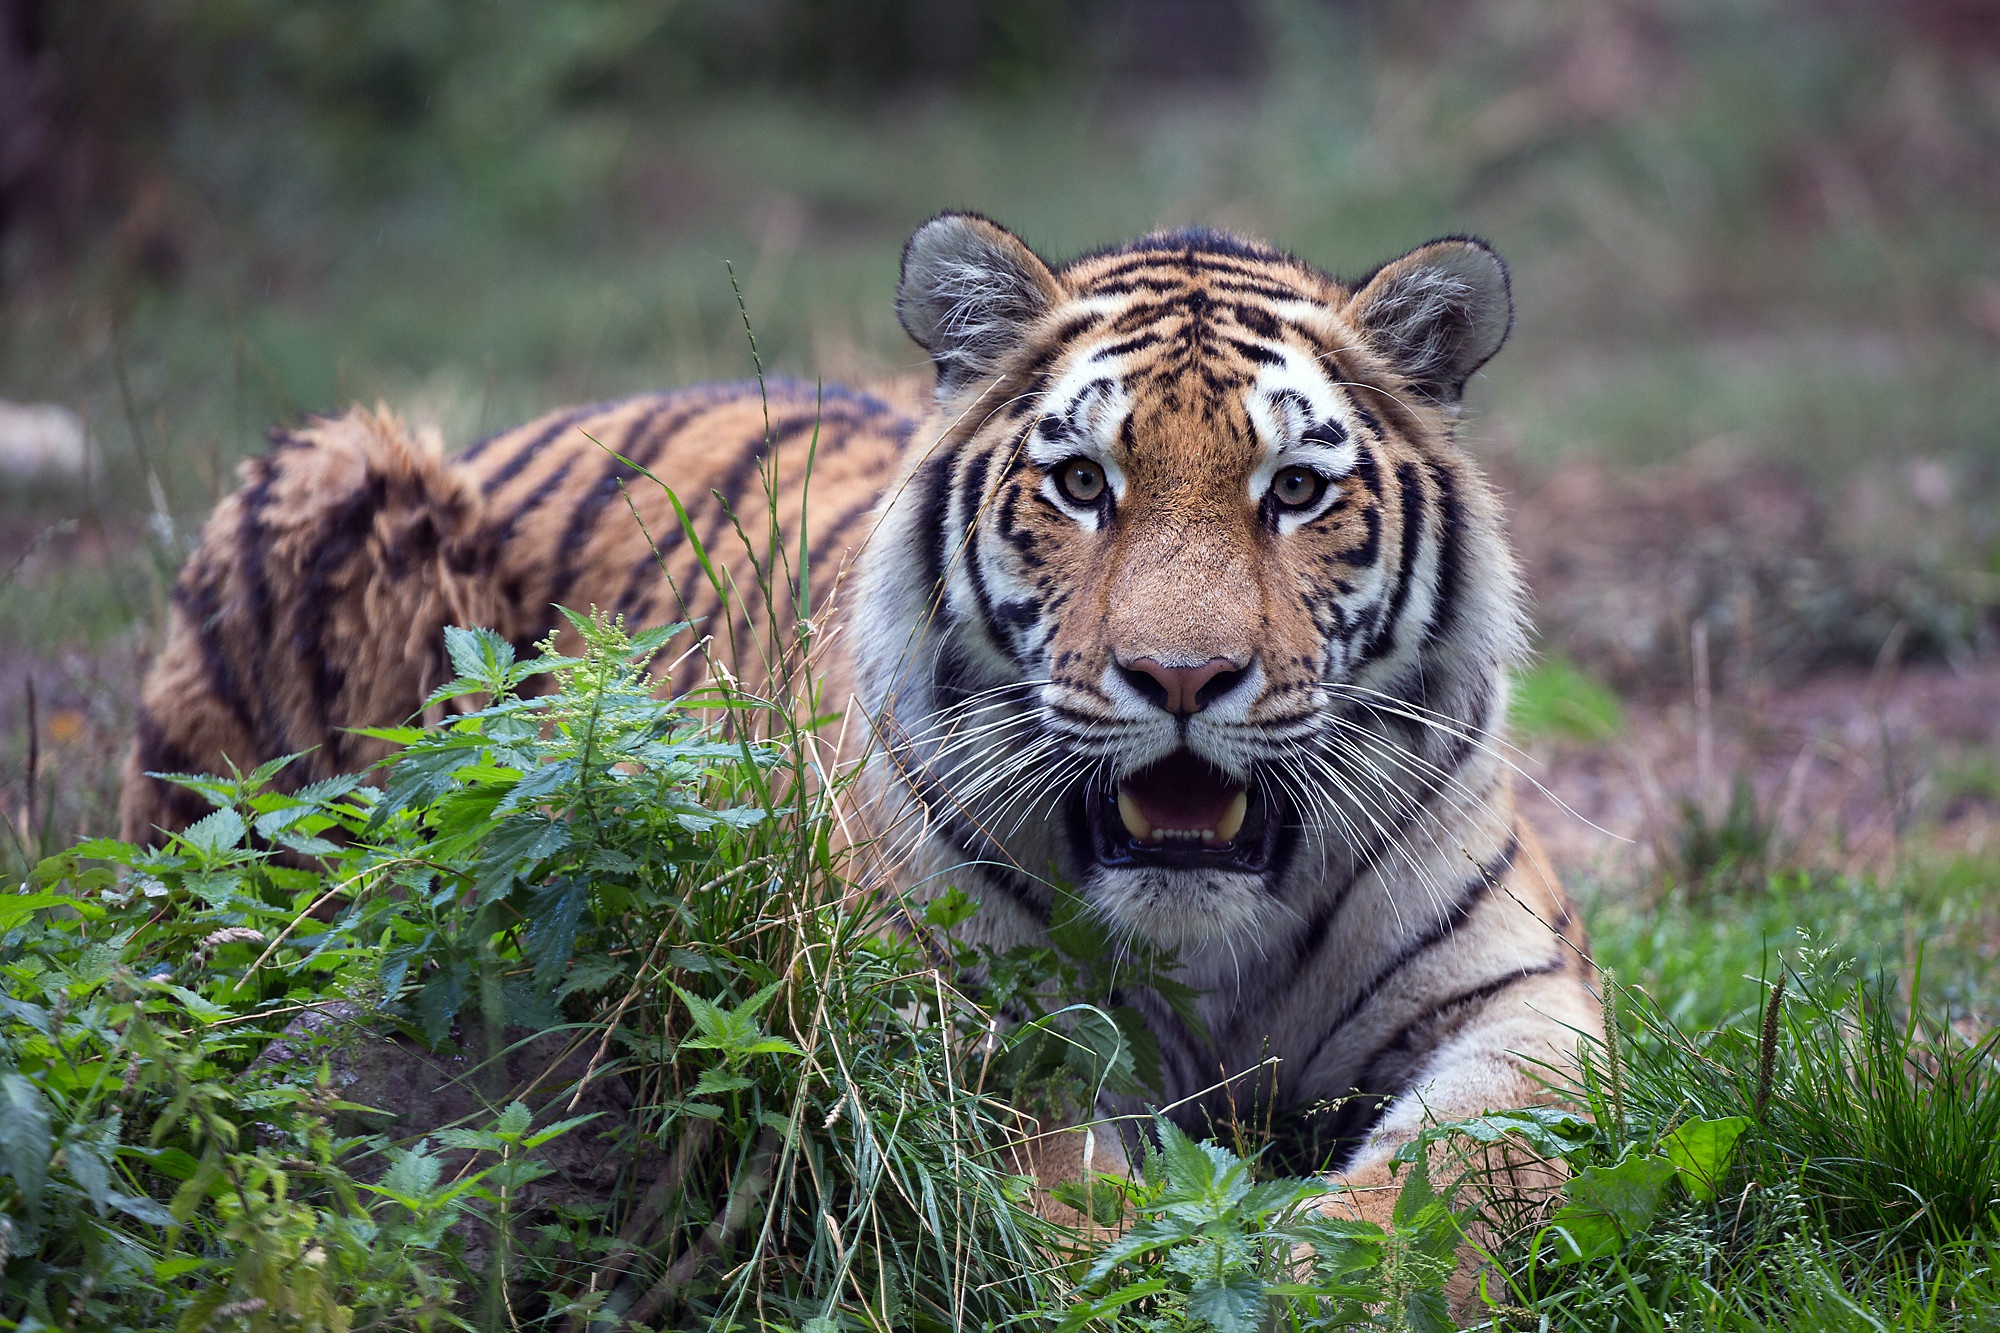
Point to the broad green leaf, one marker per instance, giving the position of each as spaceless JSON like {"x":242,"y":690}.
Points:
{"x":1608,"y":1206}
{"x":513,"y":849}
{"x":478,"y":654}
{"x":86,"y":1166}
{"x":202,"y":1008}
{"x":140,"y":1208}
{"x":555,"y":910}
{"x":950,"y":908}
{"x":412,"y":1173}
{"x":1233,"y":1305}
{"x":25,"y":1145}
{"x":1701,"y":1151}
{"x":18,"y":907}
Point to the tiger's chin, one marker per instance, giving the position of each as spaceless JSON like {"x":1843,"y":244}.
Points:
{"x":1179,"y":852}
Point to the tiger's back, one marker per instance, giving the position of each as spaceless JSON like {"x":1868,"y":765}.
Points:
{"x":316,"y":600}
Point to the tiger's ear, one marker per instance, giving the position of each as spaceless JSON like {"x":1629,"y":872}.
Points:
{"x":970,"y":289}
{"x":1438,"y":313}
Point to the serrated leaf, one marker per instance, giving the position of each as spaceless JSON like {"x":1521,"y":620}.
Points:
{"x":558,"y":1129}
{"x":555,"y":909}
{"x":25,"y":1145}
{"x":1233,"y":1305}
{"x":201,"y":1007}
{"x":441,"y":997}
{"x":589,"y":974}
{"x":513,"y":849}
{"x":514,"y":1121}
{"x":216,"y":832}
{"x":479,"y":654}
{"x":413,"y":1172}
{"x":715,"y":1081}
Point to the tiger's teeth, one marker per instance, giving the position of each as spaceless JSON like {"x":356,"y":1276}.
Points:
{"x":1135,"y":823}
{"x":1231,"y":822}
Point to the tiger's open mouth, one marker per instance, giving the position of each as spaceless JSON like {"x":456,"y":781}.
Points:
{"x":1180,"y":811}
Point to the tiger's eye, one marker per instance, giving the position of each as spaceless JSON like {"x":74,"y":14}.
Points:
{"x":1297,"y":487}
{"x":1081,"y":481}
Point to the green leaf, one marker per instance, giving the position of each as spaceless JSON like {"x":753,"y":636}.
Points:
{"x":1096,"y":1052}
{"x":1084,"y":1313}
{"x":413,"y":1172}
{"x":87,"y":1167}
{"x":18,"y":907}
{"x":479,"y":654}
{"x":1701,"y":1151}
{"x":513,"y":849}
{"x":1548,"y":1131}
{"x":1608,"y":1206}
{"x":215,"y":833}
{"x":556,"y":910}
{"x":441,"y":997}
{"x":140,"y":1208}
{"x":202,"y":1008}
{"x":514,"y":1121}
{"x":558,"y":1129}
{"x":949,"y":909}
{"x":1233,"y":1305}
{"x":1100,"y":1199}
{"x":25,"y":1145}
{"x":715,"y":1081}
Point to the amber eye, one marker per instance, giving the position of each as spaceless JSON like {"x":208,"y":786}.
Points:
{"x":1298,"y":487}
{"x":1080,"y":480}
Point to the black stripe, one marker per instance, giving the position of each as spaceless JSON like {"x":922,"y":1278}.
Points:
{"x":1475,"y":891}
{"x":340,"y":537}
{"x":971,"y":496}
{"x":503,"y":531}
{"x":253,"y":541}
{"x":525,"y":454}
{"x":582,"y":519}
{"x":1409,"y":484}
{"x":728,"y":494}
{"x":1451,"y":553}
{"x":934,"y":517}
{"x":1372,"y":1078}
{"x":829,"y":538}
{"x":1057,"y":341}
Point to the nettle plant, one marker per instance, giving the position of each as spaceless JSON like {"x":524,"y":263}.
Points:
{"x":658,"y":894}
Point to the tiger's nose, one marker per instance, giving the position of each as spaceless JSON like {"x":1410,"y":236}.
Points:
{"x":1182,"y":691}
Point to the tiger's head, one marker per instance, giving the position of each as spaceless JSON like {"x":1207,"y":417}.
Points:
{"x":1185,"y":591}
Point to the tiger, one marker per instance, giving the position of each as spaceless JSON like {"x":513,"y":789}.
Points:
{"x":1178,"y":596}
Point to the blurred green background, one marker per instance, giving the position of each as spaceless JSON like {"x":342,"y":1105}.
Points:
{"x":1756,"y":230}
{"x":1727,"y":217}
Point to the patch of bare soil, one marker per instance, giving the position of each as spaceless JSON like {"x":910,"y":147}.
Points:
{"x":1624,"y":565}
{"x":1752,"y":646}
{"x":1842,"y":770}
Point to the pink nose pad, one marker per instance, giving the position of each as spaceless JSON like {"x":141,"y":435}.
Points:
{"x":1179,"y":690}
